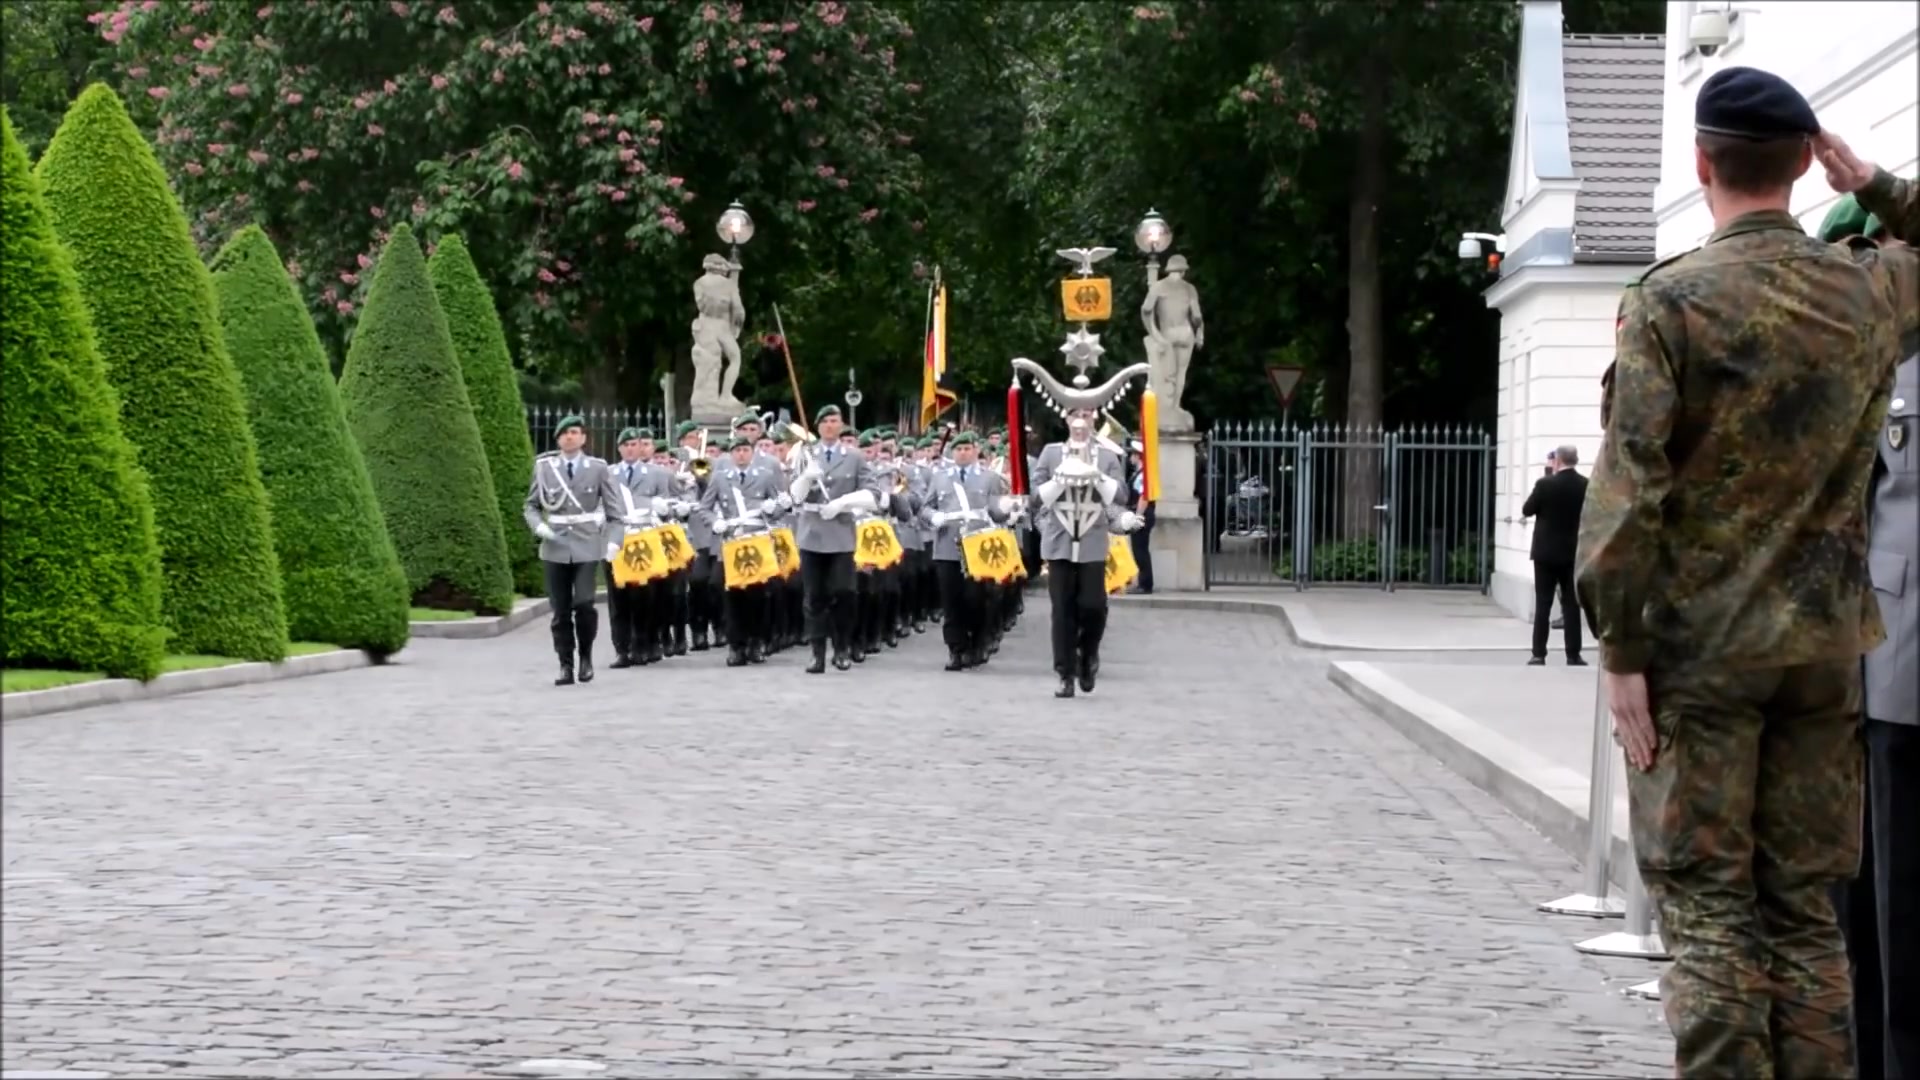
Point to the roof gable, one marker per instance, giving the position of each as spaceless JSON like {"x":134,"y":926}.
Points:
{"x":1614,"y":88}
{"x":1540,"y":138}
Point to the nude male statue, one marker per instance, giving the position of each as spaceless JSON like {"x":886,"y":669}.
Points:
{"x":1171,"y":314}
{"x":716,"y":334}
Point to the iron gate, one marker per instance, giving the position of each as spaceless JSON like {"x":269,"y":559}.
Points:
{"x":603,"y":426}
{"x":1332,"y":505}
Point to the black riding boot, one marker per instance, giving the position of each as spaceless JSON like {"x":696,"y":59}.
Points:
{"x":819,"y":663}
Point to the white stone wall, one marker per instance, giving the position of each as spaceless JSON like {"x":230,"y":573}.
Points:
{"x":1854,"y":59}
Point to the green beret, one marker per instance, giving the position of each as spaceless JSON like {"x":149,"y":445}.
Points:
{"x":737,"y":442}
{"x":1847,"y":218}
{"x":629,"y":434}
{"x":965,"y":438}
{"x":685,"y":428}
{"x":826,"y":411}
{"x":747,"y":418}
{"x":571,"y":420}
{"x":889,"y":433}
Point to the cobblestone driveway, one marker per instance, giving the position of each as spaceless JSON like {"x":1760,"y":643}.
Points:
{"x":1217,"y":866}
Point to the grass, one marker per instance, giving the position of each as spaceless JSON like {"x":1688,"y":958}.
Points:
{"x":21,"y":680}
{"x":425,"y":614}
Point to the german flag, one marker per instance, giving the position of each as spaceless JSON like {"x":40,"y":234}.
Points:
{"x":935,"y":398}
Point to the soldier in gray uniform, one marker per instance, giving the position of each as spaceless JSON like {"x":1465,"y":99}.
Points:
{"x":702,"y":608}
{"x":922,"y":587}
{"x":744,"y":496}
{"x":565,"y":509}
{"x":966,"y":499}
{"x":1077,"y":485}
{"x":829,"y":487}
{"x":638,"y":500}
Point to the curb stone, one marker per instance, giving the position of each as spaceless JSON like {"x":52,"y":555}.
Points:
{"x":524,"y":612}
{"x":1301,"y":628}
{"x":114,"y":691}
{"x":1549,"y":797}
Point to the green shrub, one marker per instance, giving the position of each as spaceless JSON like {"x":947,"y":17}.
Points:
{"x":338,"y":570}
{"x":493,"y":387}
{"x":153,"y":313}
{"x":408,"y":408}
{"x":79,"y":565}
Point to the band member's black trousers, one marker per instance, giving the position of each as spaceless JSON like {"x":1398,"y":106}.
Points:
{"x":960,"y":605}
{"x":827,"y":578}
{"x":1078,"y":592}
{"x":702,"y":592}
{"x":744,"y":611}
{"x":570,"y":589}
{"x":1141,"y":542}
{"x":629,"y":615}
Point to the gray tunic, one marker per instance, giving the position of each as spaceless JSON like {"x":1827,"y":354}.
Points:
{"x":572,"y":507}
{"x":977,"y":493}
{"x":1091,"y":516}
{"x":726,"y":496}
{"x":845,"y":473}
{"x":630,"y":496}
{"x":1893,"y":555}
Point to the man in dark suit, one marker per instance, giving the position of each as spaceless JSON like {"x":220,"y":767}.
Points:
{"x":1556,"y":501}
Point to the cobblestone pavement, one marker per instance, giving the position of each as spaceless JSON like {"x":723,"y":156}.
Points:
{"x":1218,"y":865}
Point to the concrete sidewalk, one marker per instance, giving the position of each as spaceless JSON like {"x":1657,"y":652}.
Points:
{"x":1369,"y":619}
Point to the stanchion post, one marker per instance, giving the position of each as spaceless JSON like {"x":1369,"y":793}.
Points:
{"x":1593,"y":900}
{"x":1639,"y":938}
{"x":1649,"y":990}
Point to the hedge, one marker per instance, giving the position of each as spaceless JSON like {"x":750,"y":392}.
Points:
{"x":338,"y":570}
{"x":79,"y":565}
{"x":494,"y":389}
{"x":408,"y":408}
{"x":153,"y":314}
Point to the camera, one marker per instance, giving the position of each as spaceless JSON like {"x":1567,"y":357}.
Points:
{"x":1469,"y":249}
{"x":1709,"y":31}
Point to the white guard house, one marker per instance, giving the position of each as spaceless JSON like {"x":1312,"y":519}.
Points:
{"x":1602,"y":182}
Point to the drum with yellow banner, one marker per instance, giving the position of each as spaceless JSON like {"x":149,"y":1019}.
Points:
{"x":1121,"y":569}
{"x":875,"y":545}
{"x":675,"y":547}
{"x":991,"y":555}
{"x":749,"y":561}
{"x":640,"y":559}
{"x":786,"y":553}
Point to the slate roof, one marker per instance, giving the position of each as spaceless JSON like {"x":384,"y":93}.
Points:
{"x":1614,"y":86}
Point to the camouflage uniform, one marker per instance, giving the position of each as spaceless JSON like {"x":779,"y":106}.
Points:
{"x":1723,"y":553}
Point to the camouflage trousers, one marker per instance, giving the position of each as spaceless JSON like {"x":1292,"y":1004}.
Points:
{"x":1750,"y":814}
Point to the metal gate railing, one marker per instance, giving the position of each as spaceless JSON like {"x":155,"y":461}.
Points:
{"x":1337,"y":506}
{"x":603,"y":426}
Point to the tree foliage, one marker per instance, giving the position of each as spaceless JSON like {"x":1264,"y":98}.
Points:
{"x":79,"y":565}
{"x":340,"y":576}
{"x":152,"y":308}
{"x":408,"y":408}
{"x":50,"y":54}
{"x":494,"y":390}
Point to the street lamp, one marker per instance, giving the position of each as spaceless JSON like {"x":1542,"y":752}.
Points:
{"x":854,"y":398}
{"x":735,"y":227}
{"x":1152,"y":236}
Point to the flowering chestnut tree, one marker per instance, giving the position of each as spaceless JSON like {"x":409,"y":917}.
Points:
{"x":585,"y":149}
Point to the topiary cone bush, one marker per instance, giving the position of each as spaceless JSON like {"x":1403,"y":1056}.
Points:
{"x":494,"y":390}
{"x":408,"y":408}
{"x":79,"y":565}
{"x":338,"y":570}
{"x":152,"y":307}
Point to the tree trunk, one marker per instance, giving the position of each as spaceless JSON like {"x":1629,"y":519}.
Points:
{"x":600,"y":380}
{"x":1366,"y":362}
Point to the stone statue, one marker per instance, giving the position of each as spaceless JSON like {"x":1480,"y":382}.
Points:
{"x":716,"y":338}
{"x":1171,"y":314}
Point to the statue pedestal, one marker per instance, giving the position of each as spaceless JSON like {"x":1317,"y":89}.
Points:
{"x":1178,"y":541}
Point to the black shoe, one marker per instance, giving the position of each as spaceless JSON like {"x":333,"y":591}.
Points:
{"x":978,"y":658}
{"x":719,"y":639}
{"x":1574,"y":661}
{"x":919,"y":626}
{"x":1089,"y":671}
{"x":755,"y":653}
{"x":859,"y":656}
{"x":841,"y":662}
{"x":622,"y":661}
{"x":1538,"y":661}
{"x":565,"y":678}
{"x":679,"y":642}
{"x":956,"y":660}
{"x":654,"y":655}
{"x":585,"y":671}
{"x":819,"y":663}
{"x":700,"y":641}
{"x":736,"y":658}
{"x":1065,"y":689}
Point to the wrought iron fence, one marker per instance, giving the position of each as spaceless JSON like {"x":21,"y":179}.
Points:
{"x":1337,"y":506}
{"x":603,"y":425}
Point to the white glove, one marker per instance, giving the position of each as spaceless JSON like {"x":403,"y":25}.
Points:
{"x":545,"y":531}
{"x":1129,"y":521}
{"x":1107,"y":486}
{"x":785,"y":501}
{"x":613,"y":552}
{"x":1051,"y":491}
{"x":769,"y":506}
{"x":798,"y":489}
{"x":830,"y":510}
{"x":856,"y":500}
{"x":942,"y":518}
{"x":661,"y":508}
{"x":722,"y":527}
{"x":1005,"y":505}
{"x":682,"y":508}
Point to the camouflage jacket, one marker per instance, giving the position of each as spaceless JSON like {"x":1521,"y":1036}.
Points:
{"x":1725,"y":519}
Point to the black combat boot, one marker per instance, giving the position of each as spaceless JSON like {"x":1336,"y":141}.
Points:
{"x":1089,"y":670}
{"x":700,"y":640}
{"x":756,"y":652}
{"x":819,"y":663}
{"x":842,"y":661}
{"x":1066,"y":687}
{"x":624,"y":660}
{"x":565,"y":678}
{"x":585,"y":669}
{"x":956,"y":660}
{"x":679,"y":640}
{"x":736,"y":657}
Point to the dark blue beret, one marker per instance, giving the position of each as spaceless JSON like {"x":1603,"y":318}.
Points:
{"x":1752,"y":104}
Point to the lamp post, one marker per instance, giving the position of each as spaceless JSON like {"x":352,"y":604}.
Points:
{"x":1153,"y":236}
{"x":853,"y":399}
{"x":735,"y":227}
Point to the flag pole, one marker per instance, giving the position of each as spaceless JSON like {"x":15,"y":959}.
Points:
{"x":793,"y":377}
{"x":926,"y":341}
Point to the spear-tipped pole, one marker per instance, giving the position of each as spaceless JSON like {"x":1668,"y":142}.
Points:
{"x":793,"y":377}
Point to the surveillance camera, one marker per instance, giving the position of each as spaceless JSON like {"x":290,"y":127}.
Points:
{"x":1708,"y":31}
{"x":1469,"y":249}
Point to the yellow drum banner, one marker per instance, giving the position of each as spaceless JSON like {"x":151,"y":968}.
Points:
{"x":1087,"y":299}
{"x":875,"y":545}
{"x":786,"y":552}
{"x":675,"y":547}
{"x":1121,"y":569}
{"x":750,"y":561}
{"x":992,"y":555}
{"x":639,"y":560}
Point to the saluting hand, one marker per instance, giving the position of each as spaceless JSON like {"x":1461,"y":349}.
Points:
{"x":1632,"y":718}
{"x":1846,"y":172}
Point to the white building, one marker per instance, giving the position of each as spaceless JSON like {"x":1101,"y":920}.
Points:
{"x":1602,"y":181}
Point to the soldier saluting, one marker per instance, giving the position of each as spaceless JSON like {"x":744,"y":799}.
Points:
{"x":564,"y":508}
{"x":1723,"y":566}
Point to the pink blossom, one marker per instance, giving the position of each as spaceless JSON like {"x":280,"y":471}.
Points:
{"x":646,"y":25}
{"x":605,"y":69}
{"x":636,"y":166}
{"x":137,"y":72}
{"x":843,"y":183}
{"x":376,"y":212}
{"x":446,"y":16}
{"x":582,"y":139}
{"x":295,"y":98}
{"x":97,"y":18}
{"x":216,"y":149}
{"x":619,"y":195}
{"x":869,"y":214}
{"x":627,"y":153}
{"x":400,"y":8}
{"x":590,"y":118}
{"x":375,"y":130}
{"x":362,"y":101}
{"x":1307,"y":121}
{"x":158,"y":93}
{"x":546,"y":275}
{"x":917,"y":226}
{"x":656,"y":124}
{"x":540,"y":297}
{"x":293,"y":267}
{"x":515,"y":170}
{"x":675,"y":181}
{"x":303,"y":186}
{"x":206,"y":70}
{"x":344,"y":307}
{"x":687,"y":196}
{"x":499,"y":76}
{"x":390,"y":86}
{"x":557,"y":38}
{"x":258,"y":157}
{"x":789,"y":27}
{"x":439,"y":82}
{"x":805,"y":205}
{"x":610,"y":118}
{"x":700,"y":87}
{"x":543,"y":8}
{"x":264,"y":13}
{"x":708,"y":14}
{"x":739,"y":61}
{"x":194,"y":168}
{"x":363,"y":260}
{"x":624,"y":137}
{"x":912,"y":88}
{"x":824,"y":172}
{"x":563,"y":266}
{"x":239,"y":89}
{"x":811,"y":102}
{"x":774,"y":56}
{"x":349,"y":277}
{"x":787,"y":105}
{"x":330,"y":294}
{"x":308,"y":153}
{"x":204,"y":44}
{"x":675,"y":225}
